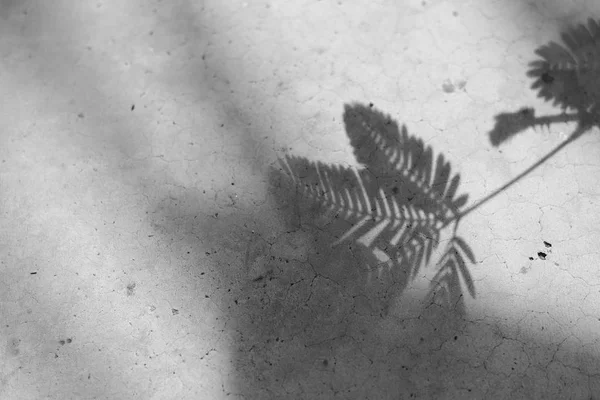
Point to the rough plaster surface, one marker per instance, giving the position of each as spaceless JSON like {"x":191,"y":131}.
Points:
{"x":150,"y":248}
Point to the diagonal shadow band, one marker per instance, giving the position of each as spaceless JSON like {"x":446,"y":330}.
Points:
{"x":394,"y":206}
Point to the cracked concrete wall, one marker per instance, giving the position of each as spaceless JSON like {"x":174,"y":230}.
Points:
{"x":151,"y":245}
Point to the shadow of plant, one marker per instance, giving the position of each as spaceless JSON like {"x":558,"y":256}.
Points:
{"x":569,"y":77}
{"x":395,"y":206}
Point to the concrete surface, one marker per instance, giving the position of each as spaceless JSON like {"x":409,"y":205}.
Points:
{"x":158,"y":239}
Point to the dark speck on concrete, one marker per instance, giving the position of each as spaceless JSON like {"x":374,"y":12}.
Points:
{"x":448,"y":86}
{"x":547,"y":78}
{"x":131,"y":289}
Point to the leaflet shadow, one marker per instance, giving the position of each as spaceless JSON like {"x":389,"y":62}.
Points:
{"x":566,"y":75}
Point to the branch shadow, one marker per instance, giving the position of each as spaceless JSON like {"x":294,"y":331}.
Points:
{"x":568,"y":76}
{"x":390,"y":212}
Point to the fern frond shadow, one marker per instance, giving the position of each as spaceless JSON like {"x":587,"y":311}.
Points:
{"x":453,"y":270}
{"x":566,"y":75}
{"x":395,"y":204}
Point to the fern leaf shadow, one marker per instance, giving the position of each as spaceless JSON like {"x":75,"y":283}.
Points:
{"x":566,"y":75}
{"x":393,"y":207}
